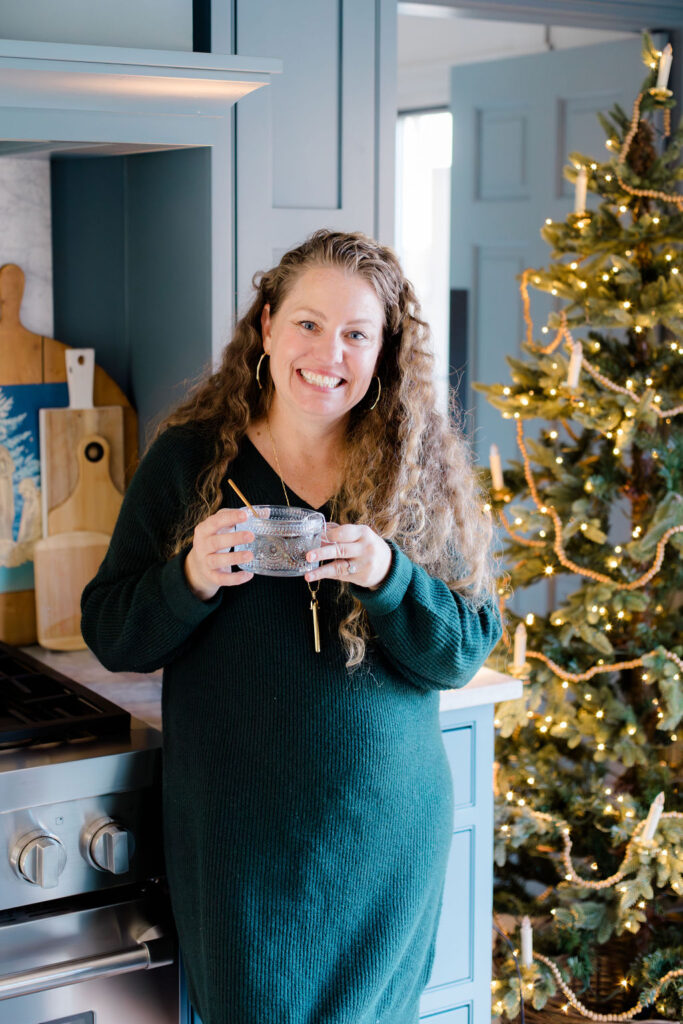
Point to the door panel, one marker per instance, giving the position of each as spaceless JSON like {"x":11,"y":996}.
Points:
{"x":457,"y":1015}
{"x":308,"y":143}
{"x":453,"y":961}
{"x":460,"y":746}
{"x":502,"y":131}
{"x":579,"y":130}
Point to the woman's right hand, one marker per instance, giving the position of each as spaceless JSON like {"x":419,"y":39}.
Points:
{"x":210,"y":561}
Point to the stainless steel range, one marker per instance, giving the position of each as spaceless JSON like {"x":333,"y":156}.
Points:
{"x":85,"y":929}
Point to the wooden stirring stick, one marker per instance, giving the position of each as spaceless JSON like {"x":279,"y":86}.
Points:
{"x":242,"y":498}
{"x":281,"y":543}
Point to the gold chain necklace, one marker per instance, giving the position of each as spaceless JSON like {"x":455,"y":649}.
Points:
{"x":314,"y":593}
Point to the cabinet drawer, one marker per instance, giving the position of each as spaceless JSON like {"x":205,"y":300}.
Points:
{"x":459,"y":744}
{"x":457,"y":1015}
{"x":455,"y":938}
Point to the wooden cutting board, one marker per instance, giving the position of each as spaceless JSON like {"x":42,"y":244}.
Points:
{"x":63,"y":430}
{"x":63,"y":564}
{"x":28,"y":358}
{"x":95,"y":501}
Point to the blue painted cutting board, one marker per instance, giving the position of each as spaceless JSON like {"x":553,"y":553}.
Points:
{"x":20,"y":517}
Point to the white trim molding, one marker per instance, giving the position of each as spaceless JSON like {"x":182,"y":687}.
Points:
{"x":629,"y":15}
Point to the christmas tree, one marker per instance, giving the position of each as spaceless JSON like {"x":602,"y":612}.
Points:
{"x":589,"y":830}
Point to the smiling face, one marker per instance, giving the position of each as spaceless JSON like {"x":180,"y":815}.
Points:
{"x":324,"y":341}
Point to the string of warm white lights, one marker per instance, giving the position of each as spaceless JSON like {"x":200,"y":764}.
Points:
{"x":557,"y":544}
{"x":612,"y":386}
{"x":563,"y":332}
{"x":590,"y":1014}
{"x":648,"y":193}
{"x":526,"y":306}
{"x":620,"y":873}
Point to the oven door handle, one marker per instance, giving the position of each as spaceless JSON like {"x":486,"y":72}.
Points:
{"x":143,"y":956}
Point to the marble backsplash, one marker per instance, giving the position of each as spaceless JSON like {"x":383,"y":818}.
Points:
{"x":25,"y":235}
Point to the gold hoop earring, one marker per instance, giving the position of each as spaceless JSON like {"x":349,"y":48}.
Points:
{"x":258,"y":370}
{"x":379,"y":392}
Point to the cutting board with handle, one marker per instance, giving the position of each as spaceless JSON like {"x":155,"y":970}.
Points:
{"x":29,"y":358}
{"x":62,"y":432}
{"x":63,"y":564}
{"x":95,"y":501}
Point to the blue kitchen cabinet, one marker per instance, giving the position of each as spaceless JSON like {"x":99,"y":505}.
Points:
{"x":458,"y":991}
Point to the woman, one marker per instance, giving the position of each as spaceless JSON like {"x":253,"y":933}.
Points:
{"x":307,"y":796}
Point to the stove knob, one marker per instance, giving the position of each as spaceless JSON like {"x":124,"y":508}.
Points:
{"x":111,"y":847}
{"x":41,"y":860}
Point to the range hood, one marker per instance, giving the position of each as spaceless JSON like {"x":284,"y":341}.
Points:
{"x":46,"y":86}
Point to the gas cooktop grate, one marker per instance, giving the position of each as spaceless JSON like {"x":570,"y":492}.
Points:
{"x":38,"y":704}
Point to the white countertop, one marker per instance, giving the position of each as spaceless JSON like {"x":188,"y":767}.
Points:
{"x":487,"y":687}
{"x":140,"y":693}
{"x":137,"y":692}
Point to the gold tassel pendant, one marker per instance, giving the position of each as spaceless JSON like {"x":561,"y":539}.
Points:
{"x":316,"y":626}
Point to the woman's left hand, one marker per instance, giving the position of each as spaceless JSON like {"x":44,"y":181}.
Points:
{"x":354,"y":554}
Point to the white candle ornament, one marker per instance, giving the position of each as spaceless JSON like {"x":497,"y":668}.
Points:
{"x":664,"y":67}
{"x":496,"y":468}
{"x":527,"y":943}
{"x":520,"y":646}
{"x":575,"y":365}
{"x":581,"y":186}
{"x":654,"y":814}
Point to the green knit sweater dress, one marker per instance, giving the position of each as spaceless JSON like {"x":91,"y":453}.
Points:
{"x":307,"y":810}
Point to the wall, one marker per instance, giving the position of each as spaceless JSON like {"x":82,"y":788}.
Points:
{"x":26,"y":225}
{"x":428,"y":46}
{"x":88,"y":254}
{"x":132,"y":256}
{"x":153,"y":24}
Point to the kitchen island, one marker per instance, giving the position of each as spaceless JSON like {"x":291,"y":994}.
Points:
{"x":459,"y":986}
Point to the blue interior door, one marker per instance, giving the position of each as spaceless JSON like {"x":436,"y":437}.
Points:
{"x":514,"y":123}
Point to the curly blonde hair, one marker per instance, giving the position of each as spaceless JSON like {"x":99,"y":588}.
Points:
{"x":408,"y":470}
